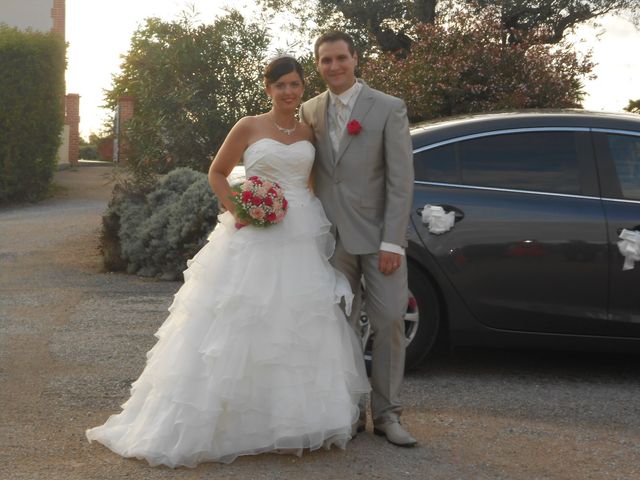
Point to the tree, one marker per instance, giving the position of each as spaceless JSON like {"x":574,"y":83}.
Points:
{"x":633,"y":106}
{"x":384,"y":21}
{"x":551,"y":19}
{"x":191,"y":84}
{"x":459,"y":65}
{"x":387,"y":22}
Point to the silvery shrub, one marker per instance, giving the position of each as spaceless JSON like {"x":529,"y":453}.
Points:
{"x":152,"y":230}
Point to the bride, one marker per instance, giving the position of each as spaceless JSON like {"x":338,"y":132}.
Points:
{"x":256,"y":354}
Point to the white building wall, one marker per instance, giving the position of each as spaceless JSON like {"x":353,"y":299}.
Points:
{"x":34,"y":14}
{"x":63,"y":151}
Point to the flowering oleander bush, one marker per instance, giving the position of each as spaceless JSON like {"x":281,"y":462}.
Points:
{"x":152,"y":229}
{"x":191,"y":82}
{"x":463,"y":63}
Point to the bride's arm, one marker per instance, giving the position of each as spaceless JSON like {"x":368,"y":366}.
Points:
{"x":310,"y":136}
{"x":228,"y":157}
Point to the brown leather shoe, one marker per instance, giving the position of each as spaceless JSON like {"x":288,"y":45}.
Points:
{"x":396,"y":434}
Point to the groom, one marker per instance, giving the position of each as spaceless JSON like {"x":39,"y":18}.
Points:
{"x":363,"y":175}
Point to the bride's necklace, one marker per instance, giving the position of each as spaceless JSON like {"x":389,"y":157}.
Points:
{"x":286,"y":131}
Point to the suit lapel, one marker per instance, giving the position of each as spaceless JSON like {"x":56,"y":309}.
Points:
{"x":364,"y":102}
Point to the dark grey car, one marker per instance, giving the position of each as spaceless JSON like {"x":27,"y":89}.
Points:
{"x":532,"y":260}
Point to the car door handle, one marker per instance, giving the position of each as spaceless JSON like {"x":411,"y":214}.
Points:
{"x":459,"y":214}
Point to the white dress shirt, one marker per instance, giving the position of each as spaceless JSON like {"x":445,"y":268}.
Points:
{"x":340,"y":108}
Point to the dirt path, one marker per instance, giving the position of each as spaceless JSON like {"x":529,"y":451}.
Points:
{"x":72,"y":339}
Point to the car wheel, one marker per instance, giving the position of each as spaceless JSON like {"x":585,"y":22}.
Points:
{"x":421,"y":320}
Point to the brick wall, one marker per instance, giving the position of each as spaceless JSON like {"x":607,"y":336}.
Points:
{"x":72,"y":118}
{"x":105,"y":148}
{"x":125,"y":113}
{"x":125,"y":105}
{"x":71,"y":100}
{"x":58,"y":15}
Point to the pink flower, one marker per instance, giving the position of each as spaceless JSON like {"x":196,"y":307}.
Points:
{"x":257,"y":213}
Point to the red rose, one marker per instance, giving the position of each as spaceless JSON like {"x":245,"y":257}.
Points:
{"x":271,"y":217}
{"x":256,"y":180}
{"x":273,"y":192}
{"x":268,"y":201}
{"x":257,"y":201}
{"x":354,"y":127}
{"x":284,"y":203}
{"x":246,"y":197}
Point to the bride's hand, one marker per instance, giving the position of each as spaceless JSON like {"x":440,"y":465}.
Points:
{"x":239,"y":223}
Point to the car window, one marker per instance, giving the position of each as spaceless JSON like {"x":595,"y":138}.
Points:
{"x":438,"y":165}
{"x":538,"y":161}
{"x":625,"y":150}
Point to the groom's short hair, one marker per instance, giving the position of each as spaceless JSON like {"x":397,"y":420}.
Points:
{"x":334,"y":36}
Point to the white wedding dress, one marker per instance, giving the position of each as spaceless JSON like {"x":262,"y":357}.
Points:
{"x":256,"y":355}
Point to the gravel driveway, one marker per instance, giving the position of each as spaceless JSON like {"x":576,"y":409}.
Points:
{"x":73,"y":338}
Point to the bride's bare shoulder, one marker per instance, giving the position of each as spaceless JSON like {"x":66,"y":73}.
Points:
{"x":248,"y":121}
{"x":249,"y":125}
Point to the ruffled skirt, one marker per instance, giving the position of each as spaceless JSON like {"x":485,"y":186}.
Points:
{"x":255,"y":356}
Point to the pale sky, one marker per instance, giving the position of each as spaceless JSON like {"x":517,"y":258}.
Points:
{"x":99,"y":32}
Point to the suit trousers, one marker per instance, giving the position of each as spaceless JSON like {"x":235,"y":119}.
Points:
{"x":385,"y":306}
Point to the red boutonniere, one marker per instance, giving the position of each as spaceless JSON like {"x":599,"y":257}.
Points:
{"x":354,"y":127}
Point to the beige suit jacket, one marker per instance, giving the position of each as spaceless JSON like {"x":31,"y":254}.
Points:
{"x":367,"y":187}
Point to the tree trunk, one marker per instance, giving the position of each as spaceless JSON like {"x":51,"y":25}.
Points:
{"x":426,"y":10}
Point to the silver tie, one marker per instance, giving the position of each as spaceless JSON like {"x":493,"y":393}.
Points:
{"x":339,"y":123}
{"x":341,"y":117}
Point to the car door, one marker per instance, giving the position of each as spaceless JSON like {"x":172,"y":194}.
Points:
{"x":618,"y":156}
{"x":528,"y":251}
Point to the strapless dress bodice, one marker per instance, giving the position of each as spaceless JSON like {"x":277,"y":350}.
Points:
{"x":287,"y":164}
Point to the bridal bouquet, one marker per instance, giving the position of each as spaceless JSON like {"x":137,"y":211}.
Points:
{"x":259,"y":202}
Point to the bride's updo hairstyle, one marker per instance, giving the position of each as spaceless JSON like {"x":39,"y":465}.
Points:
{"x":280,"y":66}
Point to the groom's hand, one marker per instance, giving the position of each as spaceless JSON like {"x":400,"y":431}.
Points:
{"x":388,"y":262}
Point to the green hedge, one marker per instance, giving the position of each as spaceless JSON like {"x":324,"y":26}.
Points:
{"x":32,"y":67}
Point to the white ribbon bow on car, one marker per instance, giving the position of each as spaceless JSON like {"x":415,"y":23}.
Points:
{"x":629,"y":247}
{"x":437,"y":219}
